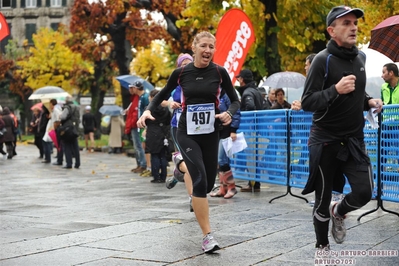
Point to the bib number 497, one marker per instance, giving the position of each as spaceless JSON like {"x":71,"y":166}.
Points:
{"x":200,"y":118}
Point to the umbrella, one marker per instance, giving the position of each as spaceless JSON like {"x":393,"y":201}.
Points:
{"x":385,"y":38}
{"x":37,"y":106}
{"x":373,"y":86}
{"x":126,"y":80}
{"x":112,"y":110}
{"x":48,"y":92}
{"x":61,"y":100}
{"x":286,"y":79}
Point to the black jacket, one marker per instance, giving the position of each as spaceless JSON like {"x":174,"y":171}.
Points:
{"x":336,"y":118}
{"x":334,"y":112}
{"x":251,"y":98}
{"x":158,"y":130}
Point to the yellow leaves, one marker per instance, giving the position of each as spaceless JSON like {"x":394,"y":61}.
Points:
{"x":307,"y":33}
{"x":153,"y":62}
{"x":51,"y":61}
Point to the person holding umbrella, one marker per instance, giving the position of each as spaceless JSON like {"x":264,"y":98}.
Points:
{"x":70,"y":116}
{"x":337,"y":99}
{"x":115,"y":134}
{"x":139,"y":98}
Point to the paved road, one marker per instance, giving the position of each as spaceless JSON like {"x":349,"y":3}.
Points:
{"x":102,"y":214}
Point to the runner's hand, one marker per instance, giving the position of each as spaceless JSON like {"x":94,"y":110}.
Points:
{"x":224,"y":117}
{"x":146,"y":115}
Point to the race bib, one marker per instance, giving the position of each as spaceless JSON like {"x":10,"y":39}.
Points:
{"x":200,"y":118}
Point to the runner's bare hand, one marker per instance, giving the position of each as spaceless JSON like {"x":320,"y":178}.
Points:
{"x":346,"y":84}
{"x":146,"y":115}
{"x":224,"y":117}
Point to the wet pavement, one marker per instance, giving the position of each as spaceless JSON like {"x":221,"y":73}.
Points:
{"x":102,"y":214}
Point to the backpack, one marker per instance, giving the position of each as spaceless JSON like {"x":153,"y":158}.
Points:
{"x":69,"y":128}
{"x":74,"y":115}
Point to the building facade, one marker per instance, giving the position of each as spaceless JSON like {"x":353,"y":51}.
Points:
{"x":26,"y":17}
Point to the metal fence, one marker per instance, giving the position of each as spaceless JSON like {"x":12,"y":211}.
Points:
{"x":277,"y":151}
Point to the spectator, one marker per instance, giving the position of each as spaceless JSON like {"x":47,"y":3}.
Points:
{"x":115,"y":135}
{"x":271,"y":98}
{"x":139,"y":102}
{"x":390,"y":89}
{"x":281,"y":103}
{"x":70,"y":116}
{"x":251,"y":100}
{"x":44,"y":118}
{"x":9,"y":136}
{"x":389,"y":95}
{"x":16,"y":131}
{"x":2,"y":128}
{"x":308,"y":62}
{"x":34,"y":129}
{"x":89,"y":126}
{"x":157,"y":136}
{"x":227,"y":187}
{"x":47,"y":141}
{"x":265,"y":104}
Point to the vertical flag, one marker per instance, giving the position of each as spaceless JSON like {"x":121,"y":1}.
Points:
{"x":4,"y":30}
{"x":234,"y":37}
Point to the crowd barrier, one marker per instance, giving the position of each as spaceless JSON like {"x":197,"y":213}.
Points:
{"x":277,"y":151}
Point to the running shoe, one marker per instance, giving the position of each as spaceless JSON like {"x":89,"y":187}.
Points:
{"x":209,"y":244}
{"x":338,"y":230}
{"x":177,"y":159}
{"x":177,"y":175}
{"x":171,"y":182}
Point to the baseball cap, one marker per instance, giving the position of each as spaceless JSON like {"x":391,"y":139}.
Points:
{"x":246,"y":74}
{"x":137,"y":84}
{"x":88,"y":107}
{"x":340,"y":11}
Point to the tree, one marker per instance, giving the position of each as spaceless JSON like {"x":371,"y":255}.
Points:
{"x":154,"y":63}
{"x":51,"y":62}
{"x":120,"y":24}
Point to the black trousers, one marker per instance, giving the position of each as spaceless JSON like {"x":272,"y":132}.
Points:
{"x":200,"y":153}
{"x":71,"y":149}
{"x":361,"y":183}
{"x":39,"y":144}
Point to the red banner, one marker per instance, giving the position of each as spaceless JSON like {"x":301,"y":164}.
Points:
{"x":4,"y":30}
{"x":234,"y":37}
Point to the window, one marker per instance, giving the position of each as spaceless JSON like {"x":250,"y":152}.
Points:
{"x":56,"y":3}
{"x":54,"y":26}
{"x":30,"y":29}
{"x":6,"y":3}
{"x":31,"y":3}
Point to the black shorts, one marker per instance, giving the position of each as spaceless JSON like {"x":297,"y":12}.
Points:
{"x":87,"y":131}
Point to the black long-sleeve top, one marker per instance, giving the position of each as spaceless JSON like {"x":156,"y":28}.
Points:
{"x":199,"y":85}
{"x":341,"y":114}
